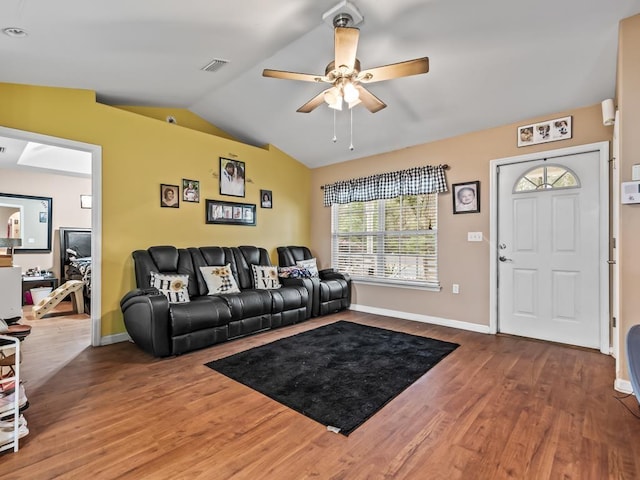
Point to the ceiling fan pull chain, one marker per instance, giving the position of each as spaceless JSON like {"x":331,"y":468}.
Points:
{"x":351,"y":142}
{"x":334,"y":127}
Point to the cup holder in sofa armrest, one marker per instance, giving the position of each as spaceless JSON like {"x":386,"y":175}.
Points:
{"x":137,"y":292}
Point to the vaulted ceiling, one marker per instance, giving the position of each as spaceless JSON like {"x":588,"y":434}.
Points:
{"x":492,"y":62}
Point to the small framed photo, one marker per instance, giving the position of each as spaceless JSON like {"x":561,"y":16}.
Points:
{"x":190,"y":190}
{"x":230,"y":213}
{"x":543,"y":132}
{"x":266,"y":199}
{"x":169,"y":196}
{"x":85,"y":201}
{"x":466,"y":197}
{"x":232,"y":177}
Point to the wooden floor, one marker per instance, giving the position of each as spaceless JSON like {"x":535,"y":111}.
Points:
{"x":497,"y":407}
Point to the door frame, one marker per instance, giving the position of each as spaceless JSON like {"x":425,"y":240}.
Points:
{"x":603,"y":230}
{"x":96,"y":215}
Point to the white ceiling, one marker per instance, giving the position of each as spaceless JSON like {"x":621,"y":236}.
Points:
{"x":492,"y":62}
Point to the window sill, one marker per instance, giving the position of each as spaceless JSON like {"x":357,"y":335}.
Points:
{"x":397,"y":284}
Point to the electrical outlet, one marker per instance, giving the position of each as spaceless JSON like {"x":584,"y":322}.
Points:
{"x":455,"y":288}
{"x":474,"y":236}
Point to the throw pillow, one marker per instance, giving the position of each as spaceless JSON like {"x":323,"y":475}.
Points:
{"x":219,"y":280}
{"x":310,"y":265}
{"x":265,"y":278}
{"x":174,"y":287}
{"x":294,"y":272}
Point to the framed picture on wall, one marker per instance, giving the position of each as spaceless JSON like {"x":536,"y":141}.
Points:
{"x":466,"y":197}
{"x":230,"y":213}
{"x":190,"y":190}
{"x":543,"y":132}
{"x":169,"y":196}
{"x":232,"y":177}
{"x":266,"y":199}
{"x":85,"y":201}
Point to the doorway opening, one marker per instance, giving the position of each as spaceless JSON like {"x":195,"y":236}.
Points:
{"x":94,"y":154}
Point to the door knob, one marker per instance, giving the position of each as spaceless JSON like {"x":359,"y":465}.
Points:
{"x":502,"y":258}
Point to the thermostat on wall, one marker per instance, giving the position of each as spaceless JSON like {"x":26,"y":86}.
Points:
{"x":630,"y":192}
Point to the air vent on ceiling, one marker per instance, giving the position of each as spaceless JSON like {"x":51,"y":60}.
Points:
{"x":215,"y":65}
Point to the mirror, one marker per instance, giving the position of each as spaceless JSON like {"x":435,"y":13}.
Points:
{"x":29,"y":218}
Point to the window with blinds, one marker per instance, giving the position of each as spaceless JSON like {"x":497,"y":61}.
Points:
{"x":390,"y":241}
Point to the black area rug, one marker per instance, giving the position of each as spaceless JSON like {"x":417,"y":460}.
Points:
{"x":339,"y":374}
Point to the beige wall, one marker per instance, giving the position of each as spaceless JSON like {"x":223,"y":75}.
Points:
{"x":65,"y":192}
{"x":629,"y":108}
{"x":461,"y":262}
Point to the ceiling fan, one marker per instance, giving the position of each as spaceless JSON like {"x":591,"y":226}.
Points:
{"x":344,"y":74}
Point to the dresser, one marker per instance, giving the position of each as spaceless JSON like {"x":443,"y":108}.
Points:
{"x":10,"y":292}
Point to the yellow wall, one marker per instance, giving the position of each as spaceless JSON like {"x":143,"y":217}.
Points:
{"x":461,"y":262}
{"x":184,"y":118}
{"x":138,"y":154}
{"x":629,"y":108}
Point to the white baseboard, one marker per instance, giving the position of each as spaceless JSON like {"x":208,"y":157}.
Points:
{"x":116,"y":338}
{"x":445,"y":322}
{"x":623,"y":386}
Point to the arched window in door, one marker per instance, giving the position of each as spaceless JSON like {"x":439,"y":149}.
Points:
{"x":546,"y":178}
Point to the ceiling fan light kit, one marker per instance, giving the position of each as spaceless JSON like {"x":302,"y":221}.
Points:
{"x":344,"y":73}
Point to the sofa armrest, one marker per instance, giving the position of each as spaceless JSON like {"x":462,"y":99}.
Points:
{"x":331,"y":273}
{"x":146,"y":318}
{"x":312,"y":288}
{"x":137,"y":292}
{"x":326,"y":271}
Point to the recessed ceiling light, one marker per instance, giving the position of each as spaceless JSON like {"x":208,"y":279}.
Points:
{"x":15,"y":32}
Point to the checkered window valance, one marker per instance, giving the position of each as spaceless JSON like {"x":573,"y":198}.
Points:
{"x":414,"y":181}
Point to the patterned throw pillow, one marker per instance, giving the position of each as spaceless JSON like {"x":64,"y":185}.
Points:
{"x":311,"y":265}
{"x":174,"y":287}
{"x":265,"y":278}
{"x":294,"y":272}
{"x":220,"y":280}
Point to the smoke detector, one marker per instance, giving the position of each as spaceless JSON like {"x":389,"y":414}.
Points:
{"x":344,"y":14}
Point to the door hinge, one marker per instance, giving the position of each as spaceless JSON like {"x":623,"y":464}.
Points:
{"x":613,"y":322}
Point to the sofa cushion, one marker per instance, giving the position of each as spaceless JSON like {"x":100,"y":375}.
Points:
{"x":311,"y":265}
{"x":265,"y":278}
{"x":248,"y":303}
{"x":174,"y":287}
{"x":200,"y":314}
{"x":219,"y":280}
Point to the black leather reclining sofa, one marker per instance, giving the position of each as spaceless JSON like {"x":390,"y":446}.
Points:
{"x":163,"y":329}
{"x":330,"y":290}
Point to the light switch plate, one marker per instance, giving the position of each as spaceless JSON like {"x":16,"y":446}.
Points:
{"x":474,"y":236}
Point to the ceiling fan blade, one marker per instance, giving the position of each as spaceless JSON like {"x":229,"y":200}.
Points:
{"x":346,"y":44}
{"x":305,"y":77}
{"x":312,"y":104}
{"x":395,"y":70}
{"x":369,"y":100}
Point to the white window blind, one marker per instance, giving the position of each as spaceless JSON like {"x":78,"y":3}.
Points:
{"x":391,"y":241}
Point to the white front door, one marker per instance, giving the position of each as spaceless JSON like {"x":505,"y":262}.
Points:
{"x":548,"y":248}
